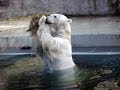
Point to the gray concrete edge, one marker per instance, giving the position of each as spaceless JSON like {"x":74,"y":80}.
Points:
{"x":90,"y":40}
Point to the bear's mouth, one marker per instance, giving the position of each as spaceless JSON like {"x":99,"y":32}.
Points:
{"x":47,"y":21}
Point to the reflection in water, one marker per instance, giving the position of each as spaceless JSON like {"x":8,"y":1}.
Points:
{"x":99,"y":72}
{"x":54,"y":81}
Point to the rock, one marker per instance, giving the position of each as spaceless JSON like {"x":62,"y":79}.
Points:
{"x":95,"y":77}
{"x":107,"y":71}
{"x":107,"y":85}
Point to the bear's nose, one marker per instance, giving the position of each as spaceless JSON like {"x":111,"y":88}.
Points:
{"x":47,"y":21}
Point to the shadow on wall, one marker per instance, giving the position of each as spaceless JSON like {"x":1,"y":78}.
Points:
{"x":4,"y":3}
{"x":116,"y":6}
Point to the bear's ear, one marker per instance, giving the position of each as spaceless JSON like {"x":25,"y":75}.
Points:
{"x":69,"y":20}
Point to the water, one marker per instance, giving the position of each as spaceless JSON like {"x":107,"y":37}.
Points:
{"x":22,"y":72}
{"x":36,"y":81}
{"x":93,"y":72}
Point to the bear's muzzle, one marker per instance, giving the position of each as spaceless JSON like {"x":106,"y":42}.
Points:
{"x":47,"y":21}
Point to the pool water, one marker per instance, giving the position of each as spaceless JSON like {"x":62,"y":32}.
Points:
{"x":92,"y":72}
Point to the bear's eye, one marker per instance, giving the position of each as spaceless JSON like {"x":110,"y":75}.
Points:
{"x":55,"y":16}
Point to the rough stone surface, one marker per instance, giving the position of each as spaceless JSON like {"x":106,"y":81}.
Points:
{"x":69,"y":7}
{"x":108,"y":85}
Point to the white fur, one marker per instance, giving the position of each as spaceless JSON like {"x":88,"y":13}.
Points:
{"x":56,"y":46}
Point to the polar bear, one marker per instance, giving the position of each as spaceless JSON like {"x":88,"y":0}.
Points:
{"x":54,"y":33}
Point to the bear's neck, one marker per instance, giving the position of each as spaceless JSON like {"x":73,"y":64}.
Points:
{"x":63,"y":31}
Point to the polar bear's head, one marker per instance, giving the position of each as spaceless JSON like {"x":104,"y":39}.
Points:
{"x":57,"y":19}
{"x":59,"y":25}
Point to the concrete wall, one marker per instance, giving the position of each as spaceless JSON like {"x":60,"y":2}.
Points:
{"x":100,"y":40}
{"x":96,"y":40}
{"x":68,"y":7}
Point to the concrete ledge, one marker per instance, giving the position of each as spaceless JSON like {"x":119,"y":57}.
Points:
{"x":77,"y":41}
{"x":96,"y":40}
{"x":15,"y":41}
